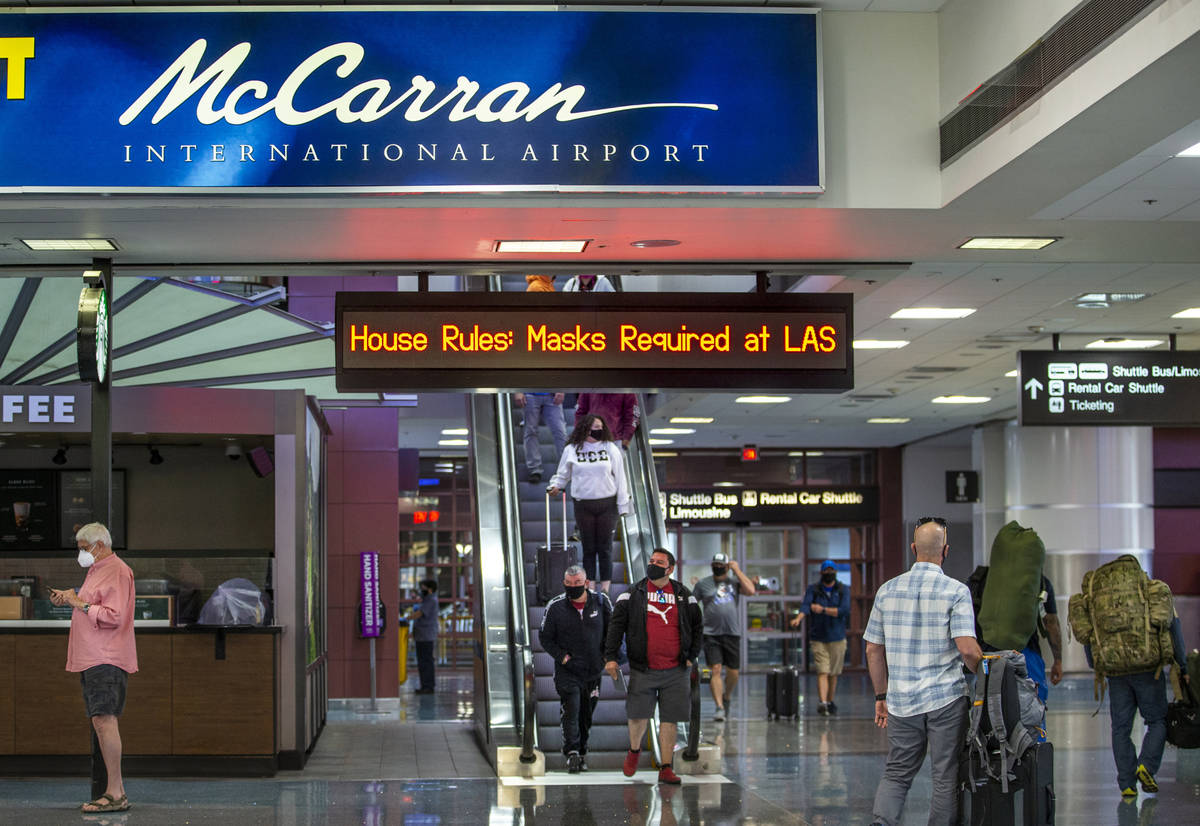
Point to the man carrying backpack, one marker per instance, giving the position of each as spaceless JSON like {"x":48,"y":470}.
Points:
{"x":1129,"y":630}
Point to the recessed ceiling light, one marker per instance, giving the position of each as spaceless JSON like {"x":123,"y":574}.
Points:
{"x":806,"y":453}
{"x":68,"y":244}
{"x":673,"y":431}
{"x":889,"y":420}
{"x":453,"y":442}
{"x":1011,"y":374}
{"x":877,"y":344}
{"x":933,"y":312}
{"x":662,"y":441}
{"x":692,"y":420}
{"x":1102,"y":301}
{"x":1192,"y":151}
{"x":455,"y":431}
{"x":962,"y":399}
{"x":728,"y":485}
{"x":662,"y":454}
{"x":568,"y":245}
{"x":762,"y":399}
{"x":1190,"y":312}
{"x":655,"y":242}
{"x":1123,"y":344}
{"x":1000,"y":243}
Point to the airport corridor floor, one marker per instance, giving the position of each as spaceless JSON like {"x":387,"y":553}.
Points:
{"x":413,"y":762}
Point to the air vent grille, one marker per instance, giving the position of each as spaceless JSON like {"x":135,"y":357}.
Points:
{"x":1069,"y":44}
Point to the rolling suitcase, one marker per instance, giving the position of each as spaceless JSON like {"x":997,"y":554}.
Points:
{"x":783,"y":693}
{"x":1028,"y":802}
{"x":554,"y":558}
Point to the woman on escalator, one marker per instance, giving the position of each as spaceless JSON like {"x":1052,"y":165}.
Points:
{"x":594,"y":465}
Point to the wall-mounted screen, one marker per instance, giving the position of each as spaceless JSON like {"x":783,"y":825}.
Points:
{"x":75,"y":494}
{"x":27,"y":510}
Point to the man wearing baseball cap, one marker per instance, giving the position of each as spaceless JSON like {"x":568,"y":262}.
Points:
{"x":829,"y":603}
{"x":722,"y":626}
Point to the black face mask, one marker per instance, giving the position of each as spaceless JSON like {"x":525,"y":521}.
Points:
{"x":655,"y":571}
{"x":596,"y":434}
{"x":574,"y":592}
{"x":829,"y":579}
{"x":720,"y":570}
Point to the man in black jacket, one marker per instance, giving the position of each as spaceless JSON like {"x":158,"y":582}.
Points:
{"x":662,"y":625}
{"x":573,"y":631}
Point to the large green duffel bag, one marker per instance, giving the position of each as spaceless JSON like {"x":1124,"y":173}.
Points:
{"x":1009,"y":614}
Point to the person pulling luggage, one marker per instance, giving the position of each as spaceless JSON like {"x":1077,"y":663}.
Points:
{"x":828,"y":601}
{"x":574,"y":627}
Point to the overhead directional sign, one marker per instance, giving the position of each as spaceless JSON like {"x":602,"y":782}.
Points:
{"x":593,"y":341}
{"x":1088,"y":387}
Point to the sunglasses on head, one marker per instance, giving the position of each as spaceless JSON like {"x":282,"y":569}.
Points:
{"x":935,"y":519}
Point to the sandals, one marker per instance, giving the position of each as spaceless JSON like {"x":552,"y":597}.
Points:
{"x":106,"y":803}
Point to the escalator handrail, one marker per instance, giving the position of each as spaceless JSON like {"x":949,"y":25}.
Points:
{"x":529,"y":720}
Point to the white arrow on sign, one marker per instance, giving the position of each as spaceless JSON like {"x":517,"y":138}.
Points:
{"x":1033,"y":386}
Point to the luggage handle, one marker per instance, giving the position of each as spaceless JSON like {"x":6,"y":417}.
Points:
{"x":549,"y":538}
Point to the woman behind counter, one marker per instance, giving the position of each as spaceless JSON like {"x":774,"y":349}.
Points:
{"x":595,"y":466}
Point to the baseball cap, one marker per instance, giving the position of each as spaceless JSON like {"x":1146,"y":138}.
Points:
{"x":828,"y":565}
{"x":719,"y":557}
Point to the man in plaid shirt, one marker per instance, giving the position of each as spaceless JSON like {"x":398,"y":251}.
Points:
{"x":921,"y":631}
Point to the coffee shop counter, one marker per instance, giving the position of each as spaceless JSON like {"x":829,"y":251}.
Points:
{"x":203,"y":701}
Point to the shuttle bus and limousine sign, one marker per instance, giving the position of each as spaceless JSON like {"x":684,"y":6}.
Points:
{"x":592,"y":341}
{"x":770,"y":505}
{"x":1091,"y":387}
{"x":421,"y":99}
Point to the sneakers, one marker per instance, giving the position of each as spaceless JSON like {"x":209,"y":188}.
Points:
{"x":719,"y":715}
{"x":832,"y":708}
{"x":535,"y":476}
{"x":583,"y":763}
{"x":1128,"y":794}
{"x":629,"y":767}
{"x":1149,"y":785}
{"x":667,"y":775}
{"x":573,"y":762}
{"x":823,"y":709}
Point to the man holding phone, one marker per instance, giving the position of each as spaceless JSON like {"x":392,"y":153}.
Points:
{"x":102,"y":650}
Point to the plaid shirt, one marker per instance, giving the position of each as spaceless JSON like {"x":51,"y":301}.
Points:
{"x":915,"y":618}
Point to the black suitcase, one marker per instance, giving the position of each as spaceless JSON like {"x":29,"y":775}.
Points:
{"x":1028,"y":802}
{"x":783,"y":693}
{"x":554,"y":558}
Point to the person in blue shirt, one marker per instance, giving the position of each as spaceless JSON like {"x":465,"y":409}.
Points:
{"x":828,"y":603}
{"x":425,"y":634}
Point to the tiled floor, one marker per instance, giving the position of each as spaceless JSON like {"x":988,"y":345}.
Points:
{"x":415,"y":763}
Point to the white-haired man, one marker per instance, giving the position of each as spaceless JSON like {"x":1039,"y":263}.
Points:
{"x":101,"y":649}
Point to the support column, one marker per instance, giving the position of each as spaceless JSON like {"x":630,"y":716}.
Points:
{"x":1089,"y":493}
{"x":989,"y":513}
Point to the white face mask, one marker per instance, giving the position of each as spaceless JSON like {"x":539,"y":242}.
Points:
{"x":85,"y":558}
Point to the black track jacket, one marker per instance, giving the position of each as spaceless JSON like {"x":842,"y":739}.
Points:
{"x":565,"y":632}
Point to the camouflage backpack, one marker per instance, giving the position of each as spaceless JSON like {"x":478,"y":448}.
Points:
{"x":1125,"y":617}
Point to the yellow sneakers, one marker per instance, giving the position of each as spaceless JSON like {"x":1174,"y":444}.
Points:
{"x":1148,"y":783}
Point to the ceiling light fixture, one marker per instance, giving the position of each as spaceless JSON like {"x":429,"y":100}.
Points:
{"x":962,"y":399}
{"x":806,"y":453}
{"x":672,"y":431}
{"x":933,"y":312}
{"x":566,"y":245}
{"x":691,"y":420}
{"x":655,"y":242}
{"x":455,"y":431}
{"x":68,"y":244}
{"x":1006,"y":243}
{"x":1123,"y":344}
{"x":1011,"y":374}
{"x":1190,"y":312}
{"x":453,"y":442}
{"x":1102,"y":301}
{"x":889,"y":420}
{"x":728,"y":485}
{"x":662,"y":442}
{"x":663,"y":454}
{"x":878,"y":344}
{"x":762,"y":399}
{"x":1192,"y":151}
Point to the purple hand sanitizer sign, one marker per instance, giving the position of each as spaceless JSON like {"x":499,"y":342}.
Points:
{"x":372,"y":622}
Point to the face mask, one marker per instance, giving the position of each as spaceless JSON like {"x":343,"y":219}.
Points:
{"x":85,"y":558}
{"x":597,"y":434}
{"x":829,"y":579}
{"x":655,"y":571}
{"x":574,"y":592}
{"x":719,"y":570}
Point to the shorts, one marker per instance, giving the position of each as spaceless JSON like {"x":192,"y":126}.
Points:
{"x":723,"y":649}
{"x":104,"y":690}
{"x":828,"y":657}
{"x":670,"y":688}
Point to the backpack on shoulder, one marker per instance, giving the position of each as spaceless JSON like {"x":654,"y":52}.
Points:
{"x":1007,"y":615}
{"x":1126,"y":619}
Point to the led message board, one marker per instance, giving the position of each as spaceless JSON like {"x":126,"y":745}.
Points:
{"x":592,"y":341}
{"x":421,"y":99}
{"x":771,"y":505}
{"x":1094,"y":387}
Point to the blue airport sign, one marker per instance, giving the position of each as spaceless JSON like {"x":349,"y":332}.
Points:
{"x":389,"y":100}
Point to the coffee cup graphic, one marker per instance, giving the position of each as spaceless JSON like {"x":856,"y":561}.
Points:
{"x":21,"y":514}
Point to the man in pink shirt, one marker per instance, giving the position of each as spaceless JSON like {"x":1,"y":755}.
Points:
{"x":102,"y":650}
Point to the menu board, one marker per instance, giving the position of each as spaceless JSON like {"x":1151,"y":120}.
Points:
{"x":75,"y":494}
{"x":27,"y":510}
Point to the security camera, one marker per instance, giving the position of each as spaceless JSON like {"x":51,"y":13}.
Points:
{"x":233,"y":452}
